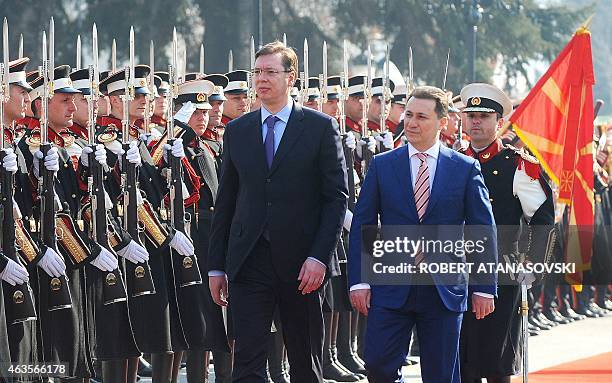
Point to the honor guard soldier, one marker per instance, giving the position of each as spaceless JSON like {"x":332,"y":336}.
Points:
{"x":198,"y":129}
{"x":314,"y":94}
{"x":490,"y":347}
{"x":330,"y":107}
{"x":448,"y":134}
{"x":28,"y":121}
{"x":396,"y":114}
{"x":157,"y":325}
{"x":354,"y":111}
{"x":336,"y":301}
{"x":295,"y":90}
{"x":236,"y":92}
{"x":17,"y":327}
{"x":160,"y":110}
{"x":65,"y":325}
{"x":376,"y":108}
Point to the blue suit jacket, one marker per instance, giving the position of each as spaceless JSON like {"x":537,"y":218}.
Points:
{"x":458,"y":197}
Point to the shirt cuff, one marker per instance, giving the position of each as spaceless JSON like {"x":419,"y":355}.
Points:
{"x":216,"y":273}
{"x":360,"y":286}
{"x":484,"y":295}
{"x":316,"y":260}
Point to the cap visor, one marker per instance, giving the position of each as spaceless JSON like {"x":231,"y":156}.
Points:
{"x":217,"y":97}
{"x":204,"y":105}
{"x":23,"y":84}
{"x":142,"y":90}
{"x":67,"y":90}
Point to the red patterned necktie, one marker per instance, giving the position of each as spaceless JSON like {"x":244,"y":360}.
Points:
{"x":421,"y":196}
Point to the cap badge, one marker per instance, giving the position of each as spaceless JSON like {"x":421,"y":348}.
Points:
{"x":476,"y":101}
{"x":142,"y":82}
{"x":201,"y":97}
{"x":243,"y":84}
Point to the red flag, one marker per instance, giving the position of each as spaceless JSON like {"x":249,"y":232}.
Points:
{"x":556,"y":122}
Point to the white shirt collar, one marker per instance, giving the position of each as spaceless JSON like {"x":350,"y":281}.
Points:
{"x":433,"y":151}
{"x":283,"y":114}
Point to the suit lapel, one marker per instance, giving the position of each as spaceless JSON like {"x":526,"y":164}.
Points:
{"x":255,"y":142}
{"x":403,"y":174}
{"x":444,"y":170}
{"x":293,"y":130}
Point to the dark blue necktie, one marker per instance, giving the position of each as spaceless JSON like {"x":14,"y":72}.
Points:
{"x":269,"y":142}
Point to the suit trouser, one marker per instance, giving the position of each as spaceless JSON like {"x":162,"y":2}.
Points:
{"x":254,"y":294}
{"x":389,"y":332}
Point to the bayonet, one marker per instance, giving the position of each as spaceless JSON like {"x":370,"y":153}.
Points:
{"x":323,"y":78}
{"x":230,"y":61}
{"x":250,"y":81}
{"x":305,"y":95}
{"x":367,"y":99}
{"x":284,"y":39}
{"x":51,"y":54}
{"x":150,"y":98}
{"x":5,"y":69}
{"x":78,"y":52}
{"x":349,"y":154}
{"x":114,"y":56}
{"x":202,"y":59}
{"x":184,"y":66}
{"x":446,"y":70}
{"x":384,"y":95}
{"x":20,"y":45}
{"x":132,"y":63}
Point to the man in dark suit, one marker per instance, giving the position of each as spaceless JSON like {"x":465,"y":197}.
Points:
{"x":280,"y":207}
{"x":418,"y":186}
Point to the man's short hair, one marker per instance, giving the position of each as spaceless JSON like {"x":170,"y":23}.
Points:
{"x":433,"y":93}
{"x":288,"y":57}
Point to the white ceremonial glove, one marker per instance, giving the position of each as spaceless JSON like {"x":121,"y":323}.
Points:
{"x":387,"y":140}
{"x":51,"y":161}
{"x":132,"y":155}
{"x":525,"y":278}
{"x":105,"y":261}
{"x":100,"y":155}
{"x":348,"y":219}
{"x":184,"y":114}
{"x":10,"y":161}
{"x":350,"y":141}
{"x":177,"y":149}
{"x":371,"y":144}
{"x":182,"y":244}
{"x":134,"y":253}
{"x":52,"y":263}
{"x":14,"y":273}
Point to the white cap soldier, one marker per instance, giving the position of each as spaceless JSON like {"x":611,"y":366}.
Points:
{"x":16,"y":108}
{"x":376,"y":106}
{"x":236,"y":92}
{"x":161,"y":102}
{"x":518,"y":193}
{"x":354,"y":105}
{"x":295,"y":89}
{"x":330,"y":107}
{"x":314,"y":94}
{"x":216,"y":100}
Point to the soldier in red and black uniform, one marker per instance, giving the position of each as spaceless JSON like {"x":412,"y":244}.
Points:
{"x":491,"y":347}
{"x":374,"y":110}
{"x":20,"y":337}
{"x":156,"y":318}
{"x":314,"y":94}
{"x":353,"y":108}
{"x":67,"y":334}
{"x":236,"y":92}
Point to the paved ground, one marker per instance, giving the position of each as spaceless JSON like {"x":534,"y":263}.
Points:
{"x":562,"y":344}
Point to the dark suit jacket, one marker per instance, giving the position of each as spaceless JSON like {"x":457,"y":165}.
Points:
{"x":458,"y":197}
{"x":300,"y":201}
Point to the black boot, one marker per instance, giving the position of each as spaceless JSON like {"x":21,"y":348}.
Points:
{"x":343,"y":350}
{"x":197,"y":366}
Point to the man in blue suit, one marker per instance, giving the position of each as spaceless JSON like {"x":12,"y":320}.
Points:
{"x":426,"y":184}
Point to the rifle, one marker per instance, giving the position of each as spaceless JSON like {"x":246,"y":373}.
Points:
{"x":349,"y":156}
{"x":150,"y":98}
{"x":59,"y":292}
{"x":140,"y":281}
{"x":201,"y":60}
{"x":367,"y":98}
{"x":21,"y":308}
{"x":189,"y":269}
{"x":304,"y":75}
